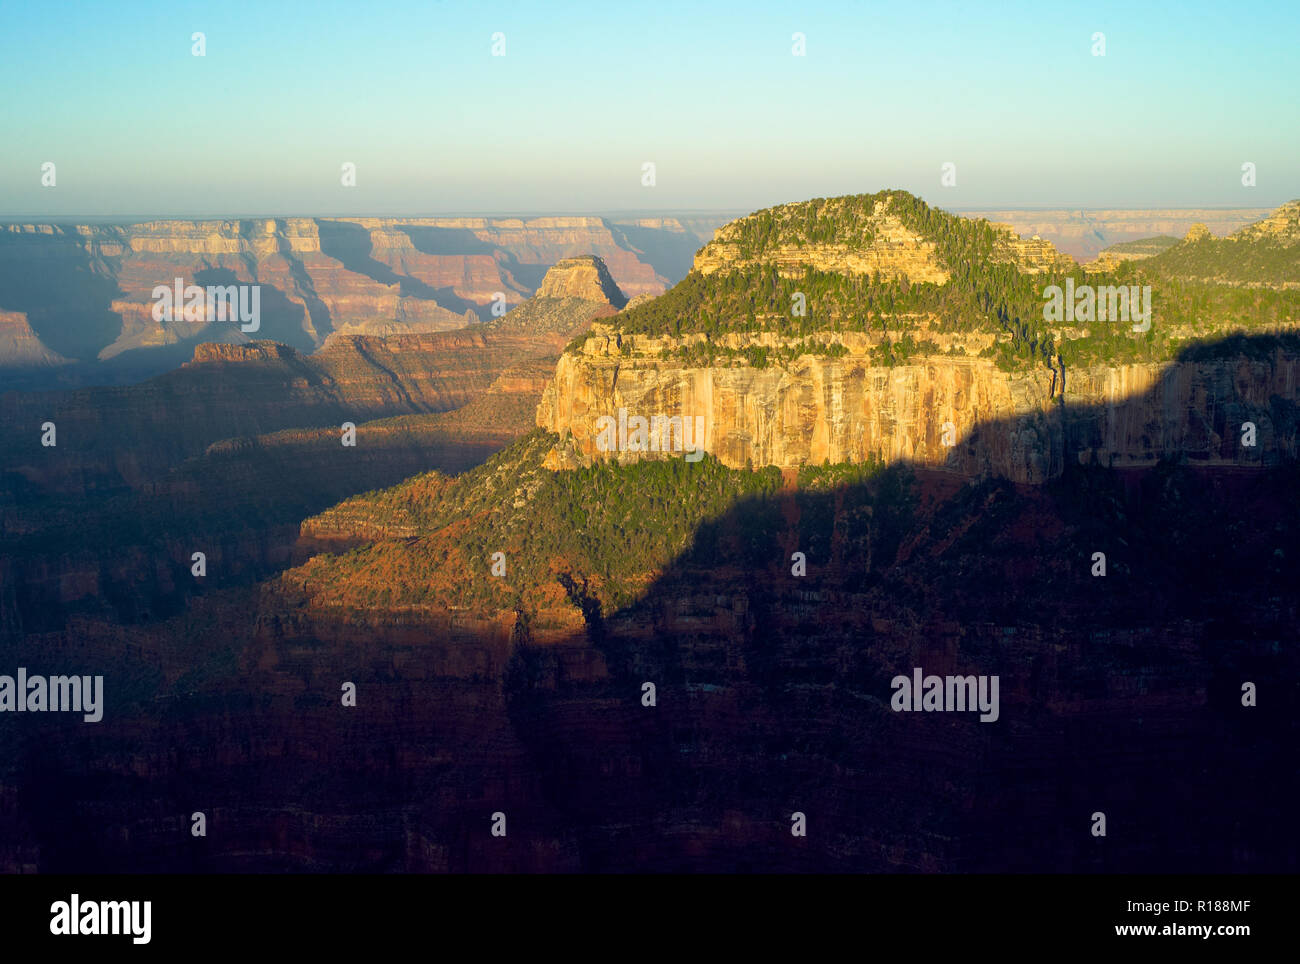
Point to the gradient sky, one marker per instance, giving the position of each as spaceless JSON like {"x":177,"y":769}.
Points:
{"x":587,"y":92}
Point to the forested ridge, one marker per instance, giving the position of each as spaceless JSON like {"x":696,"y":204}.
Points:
{"x":985,"y":293}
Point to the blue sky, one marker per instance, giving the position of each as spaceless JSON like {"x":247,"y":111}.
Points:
{"x":588,"y":92}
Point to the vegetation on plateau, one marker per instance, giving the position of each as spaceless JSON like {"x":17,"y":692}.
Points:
{"x":591,"y":535}
{"x":983,"y":295}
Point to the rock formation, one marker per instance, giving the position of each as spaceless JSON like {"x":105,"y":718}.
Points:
{"x":1281,"y":226}
{"x":87,"y":290}
{"x":878,"y":243}
{"x":257,"y":424}
{"x":847,"y":409}
{"x":586,"y":278}
{"x":847,"y":406}
{"x":20,"y":347}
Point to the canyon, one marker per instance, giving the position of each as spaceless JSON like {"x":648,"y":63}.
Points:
{"x":233,"y":448}
{"x":524,"y":692}
{"x":772,"y":696}
{"x":1084,"y":234}
{"x":75,"y":299}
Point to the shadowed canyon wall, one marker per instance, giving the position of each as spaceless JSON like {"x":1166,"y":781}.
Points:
{"x":1119,"y":694}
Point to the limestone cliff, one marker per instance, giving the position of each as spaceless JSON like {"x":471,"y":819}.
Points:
{"x":837,"y":409}
{"x":786,"y":389}
{"x":1017,"y":425}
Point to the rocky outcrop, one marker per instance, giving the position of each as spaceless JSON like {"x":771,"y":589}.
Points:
{"x":574,"y":293}
{"x":20,"y":347}
{"x":1031,"y":255}
{"x":836,"y":235}
{"x":429,"y":249}
{"x":1281,"y":226}
{"x":586,"y":278}
{"x":877,"y":244}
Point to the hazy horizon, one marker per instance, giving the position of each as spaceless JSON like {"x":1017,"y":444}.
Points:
{"x":138,"y":218}
{"x":586,"y":94}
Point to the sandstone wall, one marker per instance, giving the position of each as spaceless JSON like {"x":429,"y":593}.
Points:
{"x":1015,"y":425}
